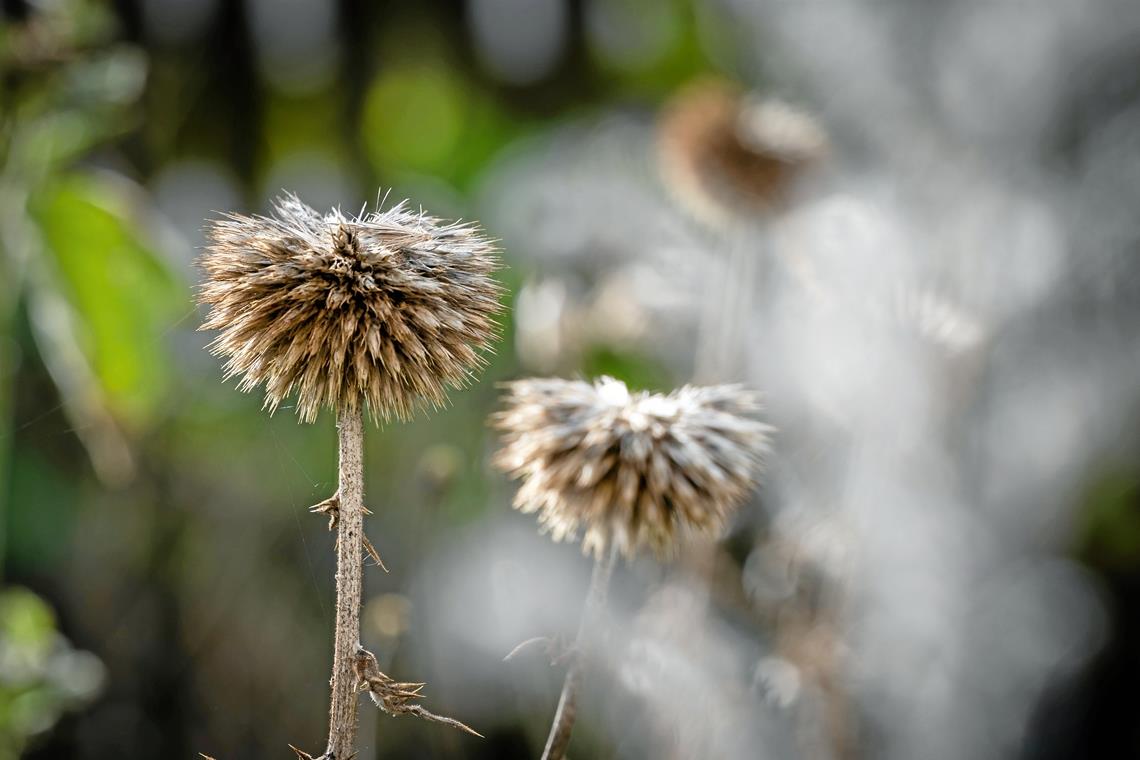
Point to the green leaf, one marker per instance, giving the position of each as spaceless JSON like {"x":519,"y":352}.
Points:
{"x":120,"y":288}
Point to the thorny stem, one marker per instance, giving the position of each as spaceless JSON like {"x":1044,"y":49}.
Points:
{"x":349,"y":584}
{"x":567,"y":712}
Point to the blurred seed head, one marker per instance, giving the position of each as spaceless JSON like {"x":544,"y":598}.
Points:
{"x":387,"y":309}
{"x":633,"y":469}
{"x":728,"y":154}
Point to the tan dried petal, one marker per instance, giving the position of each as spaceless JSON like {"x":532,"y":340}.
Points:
{"x":387,"y":309}
{"x":632,"y":469}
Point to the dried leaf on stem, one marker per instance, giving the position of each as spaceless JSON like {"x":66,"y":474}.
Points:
{"x":395,"y":697}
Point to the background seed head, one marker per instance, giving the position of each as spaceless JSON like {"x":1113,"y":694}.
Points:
{"x":632,"y":469}
{"x":387,"y":309}
{"x":727,"y":154}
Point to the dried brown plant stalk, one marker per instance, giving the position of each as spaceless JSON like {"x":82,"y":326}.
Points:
{"x":383,"y":311}
{"x":349,"y":584}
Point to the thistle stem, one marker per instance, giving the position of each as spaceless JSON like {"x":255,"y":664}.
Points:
{"x":567,"y":712}
{"x":349,"y":584}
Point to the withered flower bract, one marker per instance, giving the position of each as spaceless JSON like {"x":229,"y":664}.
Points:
{"x":387,"y":309}
{"x":632,"y":468}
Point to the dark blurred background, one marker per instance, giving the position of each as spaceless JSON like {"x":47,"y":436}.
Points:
{"x":163,"y":589}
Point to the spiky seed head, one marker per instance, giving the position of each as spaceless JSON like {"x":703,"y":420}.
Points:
{"x":632,"y":469}
{"x":728,"y":154}
{"x":387,"y":309}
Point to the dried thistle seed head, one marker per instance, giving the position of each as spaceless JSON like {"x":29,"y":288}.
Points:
{"x":633,"y":469}
{"x":727,"y":154}
{"x":387,"y":309}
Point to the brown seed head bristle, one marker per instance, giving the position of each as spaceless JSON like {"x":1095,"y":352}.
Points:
{"x":633,"y":469}
{"x":727,"y":154}
{"x":388,"y":309}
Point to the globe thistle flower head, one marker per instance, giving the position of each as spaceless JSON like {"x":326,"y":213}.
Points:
{"x":387,"y":309}
{"x":728,"y":155}
{"x":631,"y":469}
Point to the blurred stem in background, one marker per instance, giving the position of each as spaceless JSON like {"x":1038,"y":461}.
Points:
{"x":559,"y":739}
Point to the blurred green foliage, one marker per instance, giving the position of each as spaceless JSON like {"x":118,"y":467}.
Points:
{"x":41,"y":676}
{"x":86,"y":296}
{"x":1109,"y":536}
{"x":121,"y":291}
{"x":78,"y":267}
